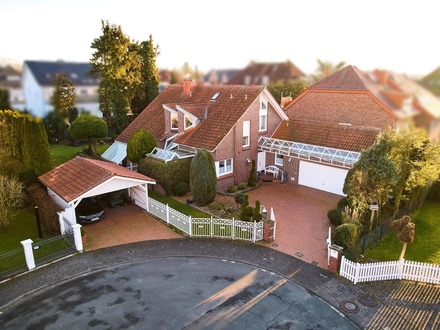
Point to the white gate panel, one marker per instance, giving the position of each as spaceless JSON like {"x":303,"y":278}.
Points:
{"x":322,"y":177}
{"x":139,"y":196}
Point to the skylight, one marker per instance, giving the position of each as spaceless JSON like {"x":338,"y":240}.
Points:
{"x":214,"y":97}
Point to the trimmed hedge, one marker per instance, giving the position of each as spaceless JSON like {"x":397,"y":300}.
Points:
{"x":172,"y":176}
{"x":346,"y":235}
{"x":335,"y":217}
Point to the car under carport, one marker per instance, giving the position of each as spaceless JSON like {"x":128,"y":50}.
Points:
{"x":82,"y":177}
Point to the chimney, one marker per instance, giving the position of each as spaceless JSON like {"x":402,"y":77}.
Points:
{"x":285,"y":100}
{"x":187,"y":86}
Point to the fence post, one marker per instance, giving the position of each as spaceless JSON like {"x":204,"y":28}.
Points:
{"x":168,"y":214}
{"x":190,"y":226}
{"x":60,"y":219}
{"x":212,"y":226}
{"x":28,"y":253}
{"x":77,"y":236}
{"x":255,"y":232}
{"x":401,"y":263}
{"x":233,"y":228}
{"x":356,"y":274}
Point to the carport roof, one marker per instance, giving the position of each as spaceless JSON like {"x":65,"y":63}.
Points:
{"x":79,"y":175}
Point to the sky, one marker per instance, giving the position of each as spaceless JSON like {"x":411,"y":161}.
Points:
{"x":401,"y":36}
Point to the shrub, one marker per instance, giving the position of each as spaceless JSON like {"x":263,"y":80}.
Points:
{"x":346,"y":235}
{"x":216,"y":206}
{"x":181,"y":188}
{"x":47,"y":209}
{"x":434,"y":192}
{"x":257,"y":211}
{"x":247,"y":214}
{"x":252,"y":181}
{"x":239,"y":199}
{"x":232,"y":189}
{"x":242,"y":186}
{"x":203,"y":178}
{"x":335,"y":217}
{"x":342,"y":203}
{"x":139,"y":144}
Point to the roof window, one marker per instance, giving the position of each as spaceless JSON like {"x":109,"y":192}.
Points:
{"x":214,"y":97}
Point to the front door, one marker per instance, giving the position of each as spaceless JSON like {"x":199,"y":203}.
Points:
{"x":261,"y":163}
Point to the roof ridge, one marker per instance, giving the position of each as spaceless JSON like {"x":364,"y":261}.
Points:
{"x":92,"y":161}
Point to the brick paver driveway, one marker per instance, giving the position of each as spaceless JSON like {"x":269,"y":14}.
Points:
{"x":301,"y":214}
{"x":125,"y":224}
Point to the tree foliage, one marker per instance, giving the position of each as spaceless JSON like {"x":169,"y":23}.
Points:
{"x":63,"y":99}
{"x":405,"y":230}
{"x":326,"y":68}
{"x":203,"y":178}
{"x":139,"y":144}
{"x":11,"y":199}
{"x":129,"y":78}
{"x":4,"y":99}
{"x":88,"y":128}
{"x":291,"y":88}
{"x":36,"y":153}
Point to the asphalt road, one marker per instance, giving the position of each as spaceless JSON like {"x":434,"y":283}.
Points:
{"x":175,"y":293}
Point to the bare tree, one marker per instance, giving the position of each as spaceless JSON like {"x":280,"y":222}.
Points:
{"x":11,"y":198}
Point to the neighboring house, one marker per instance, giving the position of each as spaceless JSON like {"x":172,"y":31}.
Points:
{"x":10,"y":79}
{"x":220,"y":76}
{"x":38,"y":79}
{"x":266,"y":73}
{"x":225,"y":120}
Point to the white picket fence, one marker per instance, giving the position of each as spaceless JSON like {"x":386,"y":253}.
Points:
{"x":390,"y":270}
{"x":207,"y":227}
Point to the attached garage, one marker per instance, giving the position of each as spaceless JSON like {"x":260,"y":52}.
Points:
{"x":322,"y":177}
{"x":82,"y":177}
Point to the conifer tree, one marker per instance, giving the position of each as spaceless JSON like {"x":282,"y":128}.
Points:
{"x":203,"y":178}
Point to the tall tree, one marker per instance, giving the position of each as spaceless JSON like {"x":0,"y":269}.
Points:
{"x":36,"y":154}
{"x":203,"y":178}
{"x":63,"y":100}
{"x":326,"y":68}
{"x":88,"y":128}
{"x":405,"y":229}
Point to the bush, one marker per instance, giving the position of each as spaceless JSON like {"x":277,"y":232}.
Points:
{"x":242,"y":186}
{"x":232,"y":189}
{"x":252,"y":181}
{"x":346,"y":235}
{"x":342,"y":203}
{"x":247,"y":214}
{"x":335,"y":217}
{"x":434,"y":192}
{"x":216,"y":206}
{"x":203,"y":179}
{"x":181,"y":188}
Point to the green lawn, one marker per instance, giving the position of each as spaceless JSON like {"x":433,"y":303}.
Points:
{"x":178,"y":206}
{"x":21,"y":226}
{"x":426,"y":246}
{"x":61,"y":153}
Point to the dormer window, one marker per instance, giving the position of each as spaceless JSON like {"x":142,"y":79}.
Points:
{"x":188,"y":122}
{"x":174,"y":121}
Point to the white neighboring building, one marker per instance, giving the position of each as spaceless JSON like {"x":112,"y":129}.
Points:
{"x":10,"y":80}
{"x":38,"y":80}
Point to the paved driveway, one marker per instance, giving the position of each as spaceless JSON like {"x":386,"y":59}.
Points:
{"x":184,"y":293}
{"x":125,"y":224}
{"x":301,"y":214}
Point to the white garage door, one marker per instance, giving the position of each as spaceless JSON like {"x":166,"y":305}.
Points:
{"x":322,"y":177}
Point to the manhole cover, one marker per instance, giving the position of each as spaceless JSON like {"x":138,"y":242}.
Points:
{"x":367,"y":300}
{"x":349,"y":306}
{"x":314,"y":263}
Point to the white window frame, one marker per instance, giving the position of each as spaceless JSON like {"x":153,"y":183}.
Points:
{"x":246,"y":141}
{"x":279,"y":159}
{"x":175,"y":115}
{"x":225,"y":167}
{"x":184,"y":122}
{"x":262,"y":117}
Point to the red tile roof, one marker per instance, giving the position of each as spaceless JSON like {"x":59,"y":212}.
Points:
{"x":222,"y":114}
{"x":337,"y":136}
{"x":274,"y":71}
{"x":348,"y":79}
{"x":77,"y":176}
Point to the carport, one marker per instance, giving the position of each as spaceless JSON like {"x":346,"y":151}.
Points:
{"x":82,"y":177}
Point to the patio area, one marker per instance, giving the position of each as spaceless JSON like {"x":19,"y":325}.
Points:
{"x":125,"y":224}
{"x":301,"y":214}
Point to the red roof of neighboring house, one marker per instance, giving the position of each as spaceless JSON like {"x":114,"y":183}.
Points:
{"x":273,"y":71}
{"x":222,"y":113}
{"x":337,"y":136}
{"x":79,"y":175}
{"x":348,"y":79}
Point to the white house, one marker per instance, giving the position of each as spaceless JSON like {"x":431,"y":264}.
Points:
{"x":38,"y":80}
{"x":10,"y":80}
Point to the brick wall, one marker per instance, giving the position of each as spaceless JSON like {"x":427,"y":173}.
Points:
{"x":354,"y":108}
{"x":290,"y":166}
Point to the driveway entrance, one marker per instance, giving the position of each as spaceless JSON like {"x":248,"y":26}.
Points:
{"x":125,"y":224}
{"x":301,"y":214}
